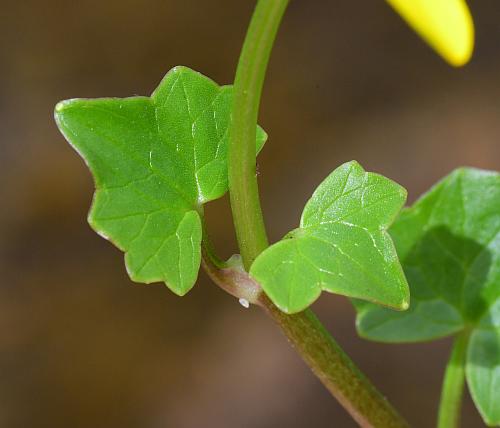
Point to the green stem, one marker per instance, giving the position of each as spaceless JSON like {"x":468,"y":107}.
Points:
{"x":453,"y":384}
{"x":252,"y":66}
{"x":367,"y":406}
{"x":318,"y":349}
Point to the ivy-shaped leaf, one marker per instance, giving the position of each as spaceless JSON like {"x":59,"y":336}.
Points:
{"x":155,"y":161}
{"x":341,"y":245}
{"x":449,"y":244}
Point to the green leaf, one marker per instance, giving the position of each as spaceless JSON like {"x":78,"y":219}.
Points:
{"x":449,"y":245}
{"x":155,"y":161}
{"x":341,"y":246}
{"x":483,"y":366}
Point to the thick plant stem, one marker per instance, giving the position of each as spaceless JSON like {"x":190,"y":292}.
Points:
{"x":453,"y":384}
{"x":252,"y":66}
{"x":327,"y":360}
{"x":317,"y":348}
{"x":335,"y":369}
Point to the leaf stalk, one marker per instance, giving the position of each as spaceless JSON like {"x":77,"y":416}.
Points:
{"x":304,"y":331}
{"x":249,"y":80}
{"x":453,"y":384}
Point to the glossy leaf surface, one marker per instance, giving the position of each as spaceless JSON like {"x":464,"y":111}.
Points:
{"x":449,"y":244}
{"x":341,"y":245}
{"x":155,"y":161}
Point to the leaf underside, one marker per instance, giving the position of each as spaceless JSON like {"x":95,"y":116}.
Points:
{"x":341,"y":245}
{"x":449,"y":245}
{"x":155,"y":161}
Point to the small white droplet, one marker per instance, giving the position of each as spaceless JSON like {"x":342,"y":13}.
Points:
{"x":245,"y":303}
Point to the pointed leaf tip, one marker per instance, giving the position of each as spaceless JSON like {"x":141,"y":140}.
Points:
{"x":449,"y":244}
{"x":154,"y":161}
{"x":340,"y":247}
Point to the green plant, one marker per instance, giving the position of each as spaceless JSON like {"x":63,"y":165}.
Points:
{"x":157,"y":160}
{"x":453,"y":265}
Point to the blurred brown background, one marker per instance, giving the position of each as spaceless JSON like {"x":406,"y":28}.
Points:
{"x":82,"y":346}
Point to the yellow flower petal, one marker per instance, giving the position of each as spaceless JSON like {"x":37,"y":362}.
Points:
{"x":445,"y":24}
